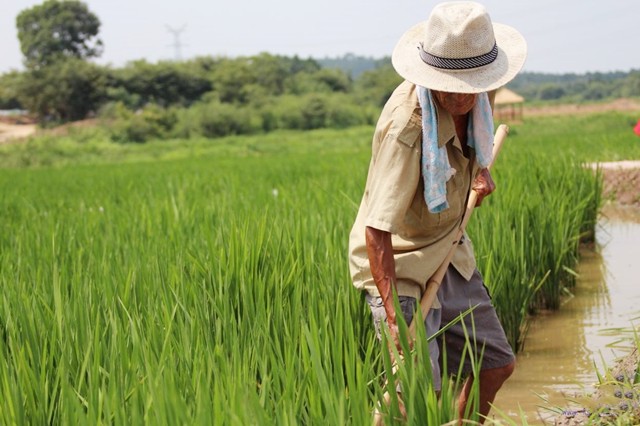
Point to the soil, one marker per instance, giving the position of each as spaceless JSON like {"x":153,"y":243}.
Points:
{"x":621,"y":182}
{"x":616,"y":401}
{"x":622,"y":104}
{"x":19,"y":129}
{"x":10,"y":132}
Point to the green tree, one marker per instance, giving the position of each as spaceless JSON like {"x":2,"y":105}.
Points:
{"x":56,"y":30}
{"x":9,"y":85}
{"x":376,"y":86}
{"x":231,"y":77}
{"x":64,"y":91}
{"x":164,"y":83}
{"x":272,"y":71}
{"x":550,"y":91}
{"x":597,"y":90}
{"x":249,"y":80}
{"x":630,"y":86}
{"x":324,"y":80}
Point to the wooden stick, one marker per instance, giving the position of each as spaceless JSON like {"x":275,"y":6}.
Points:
{"x":434,"y":282}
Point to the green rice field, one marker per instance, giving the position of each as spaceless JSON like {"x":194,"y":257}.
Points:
{"x":206,"y":281}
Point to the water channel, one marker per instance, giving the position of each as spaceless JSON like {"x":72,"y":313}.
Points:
{"x":564,"y":349}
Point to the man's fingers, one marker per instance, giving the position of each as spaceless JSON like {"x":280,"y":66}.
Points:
{"x":483,"y":185}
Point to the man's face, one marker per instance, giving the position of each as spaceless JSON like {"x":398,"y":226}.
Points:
{"x":455,"y":103}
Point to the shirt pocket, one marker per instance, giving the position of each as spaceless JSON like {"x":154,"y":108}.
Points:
{"x":419,"y":217}
{"x":411,"y":134}
{"x":456,"y":197}
{"x":457,"y":190}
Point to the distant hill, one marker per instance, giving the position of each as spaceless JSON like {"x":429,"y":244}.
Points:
{"x":577,"y":87}
{"x":352,"y":64}
{"x":532,"y":85}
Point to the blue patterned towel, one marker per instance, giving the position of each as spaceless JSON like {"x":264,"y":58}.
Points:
{"x":436,"y":170}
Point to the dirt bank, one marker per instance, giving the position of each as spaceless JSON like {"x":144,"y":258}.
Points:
{"x":616,"y":402}
{"x":621,"y":181}
{"x":15,"y":132}
{"x":623,"y":104}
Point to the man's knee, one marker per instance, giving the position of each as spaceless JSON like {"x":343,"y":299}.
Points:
{"x":497,"y":376}
{"x":507,"y":370}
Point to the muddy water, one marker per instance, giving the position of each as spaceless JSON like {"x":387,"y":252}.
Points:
{"x":564,"y":349}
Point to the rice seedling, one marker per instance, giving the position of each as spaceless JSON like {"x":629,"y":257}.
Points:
{"x":208,"y":283}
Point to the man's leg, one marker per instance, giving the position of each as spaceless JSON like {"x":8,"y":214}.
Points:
{"x":491,"y":381}
{"x":432,"y":324}
{"x":483,"y":330}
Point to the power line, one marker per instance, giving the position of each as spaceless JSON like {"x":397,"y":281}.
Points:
{"x":177,"y":45}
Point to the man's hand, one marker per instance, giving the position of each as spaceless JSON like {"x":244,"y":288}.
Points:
{"x":483,"y":185}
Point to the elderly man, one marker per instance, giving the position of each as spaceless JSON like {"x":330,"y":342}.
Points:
{"x":431,"y":146}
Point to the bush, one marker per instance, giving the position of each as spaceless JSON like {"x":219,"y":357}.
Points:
{"x":9,"y":84}
{"x":287,"y":112}
{"x":152,"y":122}
{"x":215,"y":119}
{"x":344,"y":112}
{"x":314,"y":111}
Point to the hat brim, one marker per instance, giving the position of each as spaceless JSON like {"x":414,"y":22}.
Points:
{"x":512,"y":52}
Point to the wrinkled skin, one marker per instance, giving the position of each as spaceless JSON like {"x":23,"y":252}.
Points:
{"x":483,"y":185}
{"x":457,"y":104}
{"x":383,"y":270}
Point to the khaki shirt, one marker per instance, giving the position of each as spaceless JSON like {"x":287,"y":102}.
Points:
{"x":393,"y":199}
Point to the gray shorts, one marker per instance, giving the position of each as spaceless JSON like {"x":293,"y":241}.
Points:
{"x":482,"y":326}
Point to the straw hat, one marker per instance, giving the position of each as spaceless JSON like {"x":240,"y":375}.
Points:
{"x":459,"y":50}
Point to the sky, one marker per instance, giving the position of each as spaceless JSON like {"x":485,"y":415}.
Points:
{"x":563,"y":36}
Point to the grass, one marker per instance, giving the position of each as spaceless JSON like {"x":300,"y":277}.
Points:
{"x":206,"y":282}
{"x":585,"y":138}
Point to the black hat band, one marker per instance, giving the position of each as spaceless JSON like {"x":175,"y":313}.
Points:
{"x":458,"y":63}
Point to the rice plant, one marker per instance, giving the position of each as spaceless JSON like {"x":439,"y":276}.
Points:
{"x":208,"y":283}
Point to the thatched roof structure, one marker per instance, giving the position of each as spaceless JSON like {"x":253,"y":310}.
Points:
{"x":508,"y":105}
{"x":505,"y":96}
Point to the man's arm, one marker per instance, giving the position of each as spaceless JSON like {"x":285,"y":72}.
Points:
{"x":383,"y":270}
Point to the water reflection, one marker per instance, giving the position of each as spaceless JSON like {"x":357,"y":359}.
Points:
{"x":563,"y":349}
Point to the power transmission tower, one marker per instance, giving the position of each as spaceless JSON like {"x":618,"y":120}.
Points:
{"x":176,"y":40}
